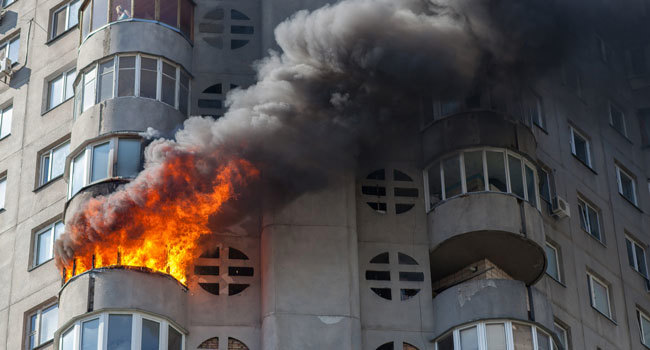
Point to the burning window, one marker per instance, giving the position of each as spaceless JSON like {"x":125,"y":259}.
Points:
{"x":398,"y":194}
{"x":409,"y":275}
{"x":220,"y":25}
{"x":221,"y":275}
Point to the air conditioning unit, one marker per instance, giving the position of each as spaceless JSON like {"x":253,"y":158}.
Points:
{"x":561,"y":207}
{"x":5,"y":67}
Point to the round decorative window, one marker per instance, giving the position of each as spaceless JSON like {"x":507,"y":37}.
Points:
{"x":382,"y":275}
{"x":226,"y":27}
{"x":213,"y":344}
{"x":395,"y":194}
{"x":391,"y":346}
{"x":224,"y":275}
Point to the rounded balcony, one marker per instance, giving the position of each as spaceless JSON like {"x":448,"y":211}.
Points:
{"x":129,"y":92}
{"x":122,"y":307}
{"x":475,"y":128}
{"x":157,"y":27}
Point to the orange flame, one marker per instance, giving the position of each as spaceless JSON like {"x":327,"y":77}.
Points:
{"x":161,"y":229}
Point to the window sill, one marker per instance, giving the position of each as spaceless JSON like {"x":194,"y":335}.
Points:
{"x":632,"y":203}
{"x":44,"y":345}
{"x":556,"y":280}
{"x":39,"y":188}
{"x":55,"y":107}
{"x":52,"y":40}
{"x":594,"y":238}
{"x":605,"y":316}
{"x":34,"y":267}
{"x":4,"y":137}
{"x":622,"y":134}
{"x":541,"y":128}
{"x":584,"y":163}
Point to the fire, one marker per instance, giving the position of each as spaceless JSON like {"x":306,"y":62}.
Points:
{"x":157,"y":221}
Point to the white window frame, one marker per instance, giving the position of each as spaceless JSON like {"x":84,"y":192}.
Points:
{"x":460,"y":155}
{"x":65,"y":8}
{"x":575,"y":132}
{"x":3,"y":120}
{"x":619,"y":173}
{"x":50,"y":154}
{"x":592,"y":294}
{"x":7,"y":44}
{"x":509,"y":336}
{"x":635,"y":244}
{"x":37,"y":332}
{"x":136,"y":329}
{"x":565,"y":333}
{"x":64,"y":78}
{"x":557,"y":262}
{"x":547,"y":172}
{"x":3,"y":194}
{"x":611,"y":118}
{"x":641,"y":315}
{"x":35,"y":248}
{"x":590,"y":208}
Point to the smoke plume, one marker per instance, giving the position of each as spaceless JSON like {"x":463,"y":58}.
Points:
{"x":348,"y":75}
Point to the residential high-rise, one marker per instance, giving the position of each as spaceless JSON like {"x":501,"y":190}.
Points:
{"x":508,"y":221}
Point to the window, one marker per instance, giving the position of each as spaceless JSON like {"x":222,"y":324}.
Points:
{"x":213,"y":343}
{"x":236,"y":266}
{"x":644,"y":325}
{"x":44,"y":243}
{"x":562,"y":333}
{"x":60,"y":88}
{"x":636,"y":256}
{"x":599,"y":295}
{"x":571,"y":78}
{"x":497,"y":335}
{"x":41,"y":326}
{"x":580,"y":147}
{"x":122,"y":331}
{"x":52,"y":163}
{"x":626,"y":185}
{"x":617,"y":119}
{"x":378,"y":276}
{"x":378,"y":190}
{"x":10,"y":49}
{"x":533,"y":111}
{"x":479,"y":170}
{"x":553,"y":257}
{"x":65,"y":18}
{"x":115,"y":157}
{"x":589,"y":219}
{"x":6,"y":3}
{"x":133,"y":75}
{"x":544,"y":185}
{"x":5,"y":122}
{"x":3,"y":191}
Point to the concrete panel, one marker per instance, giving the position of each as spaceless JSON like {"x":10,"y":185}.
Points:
{"x":134,"y":36}
{"x":487,"y":299}
{"x":292,"y":331}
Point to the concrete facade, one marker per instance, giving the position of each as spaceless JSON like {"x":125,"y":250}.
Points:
{"x":346,"y":267}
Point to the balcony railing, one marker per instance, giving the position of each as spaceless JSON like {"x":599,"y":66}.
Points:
{"x":177,"y":14}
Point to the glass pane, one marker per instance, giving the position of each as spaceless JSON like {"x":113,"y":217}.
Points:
{"x":543,"y":341}
{"x":126,"y":83}
{"x":645,"y":326}
{"x":169,"y":13}
{"x":128,"y":157}
{"x":187,"y":10}
{"x":3,"y":190}
{"x":44,"y":241}
{"x":45,"y":168}
{"x":85,"y":22}
{"x":523,"y":337}
{"x":530,"y":186}
{"x":69,"y":81}
{"x":89,"y":89}
{"x":630,"y":253}
{"x":49,"y":320}
{"x":100,"y":13}
{"x":58,"y":25}
{"x":627,"y":187}
{"x":56,"y":92}
{"x":90,"y":335}
{"x":14,"y":47}
{"x":77,"y":100}
{"x":544,"y":186}
{"x":106,"y":71}
{"x":174,"y":339}
{"x":74,"y":14}
{"x":100,"y":162}
{"x":148,"y":77}
{"x":120,"y":10}
{"x":5,"y":128}
{"x":516,"y":178}
{"x":561,"y":333}
{"x":496,"y":171}
{"x":78,"y":173}
{"x":474,"y":171}
{"x":469,"y":339}
{"x":551,"y":256}
{"x":600,"y":301}
{"x":58,"y":161}
{"x":145,"y":9}
{"x":580,"y":146}
{"x":59,"y":227}
{"x":451,"y":167}
{"x":594,"y":227}
{"x":169,"y":84}
{"x":150,"y":335}
{"x":446,"y":343}
{"x":67,"y":340}
{"x":435,"y":188}
{"x":119,"y":332}
{"x":184,"y":93}
{"x":496,"y":337}
{"x":640,"y":260}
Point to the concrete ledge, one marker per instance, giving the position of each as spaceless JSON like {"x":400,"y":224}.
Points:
{"x":489,"y":299}
{"x":476,"y":128}
{"x":487,"y":225}
{"x":135,"y":36}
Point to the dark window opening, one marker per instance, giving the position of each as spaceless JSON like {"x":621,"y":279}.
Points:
{"x":382,"y":258}
{"x":214,"y":89}
{"x":377,"y":175}
{"x":212,"y":343}
{"x":383,"y":292}
{"x":236,"y":288}
{"x":234,"y":14}
{"x":403,"y":208}
{"x":446,"y":343}
{"x":380,"y":207}
{"x":206,"y":270}
{"x":404,"y":259}
{"x":374,"y":191}
{"x":400,"y":176}
{"x":215,"y":104}
{"x":233,"y":86}
{"x":406,"y":294}
{"x":235,"y":254}
{"x":411,"y":276}
{"x":212,"y":288}
{"x":387,"y":346}
{"x":240,"y":271}
{"x":406,"y":192}
{"x":378,"y":275}
{"x":241,"y":30}
{"x":236,"y":44}
{"x":211,"y":253}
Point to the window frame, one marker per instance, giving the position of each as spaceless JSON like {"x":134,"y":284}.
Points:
{"x":586,"y":205}
{"x":28,"y":332}
{"x":565,"y":333}
{"x":640,"y":315}
{"x":635,"y":244}
{"x":6,"y":4}
{"x":6,"y":45}
{"x":64,"y":77}
{"x":620,"y":170}
{"x":612,"y":106}
{"x":574,"y":132}
{"x":592,"y":295}
{"x":49,"y":153}
{"x":35,"y":246}
{"x":3,"y":194}
{"x":460,"y":156}
{"x":481,"y":327}
{"x":557,"y":261}
{"x":66,"y":7}
{"x":2,"y":120}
